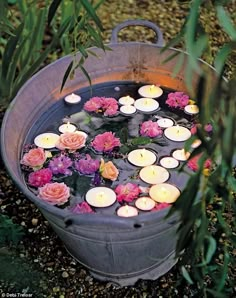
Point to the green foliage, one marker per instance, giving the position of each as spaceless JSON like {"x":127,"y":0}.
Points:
{"x":9,"y":232}
{"x":206,"y":232}
{"x":31,"y":31}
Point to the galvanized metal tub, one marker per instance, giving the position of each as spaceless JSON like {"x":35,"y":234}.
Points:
{"x":112,"y":248}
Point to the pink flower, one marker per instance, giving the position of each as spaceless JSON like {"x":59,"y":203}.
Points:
{"x":150,"y":129}
{"x":34,"y":158}
{"x":193,"y":130}
{"x":110,"y":106}
{"x":107,"y":105}
{"x":127,"y":192}
{"x":40,"y":178}
{"x":94,"y":104}
{"x":71,"y":140}
{"x":161,"y":206}
{"x":105,"y":142}
{"x":82,"y":208}
{"x":54,"y":193}
{"x":193,"y":163}
{"x":177,"y":100}
{"x":208,"y":128}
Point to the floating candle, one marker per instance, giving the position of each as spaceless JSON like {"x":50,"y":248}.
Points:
{"x":46,"y":140}
{"x":146,"y":104}
{"x":169,"y":162}
{"x":177,"y":133}
{"x":142,"y":157}
{"x":127,"y":211}
{"x":67,"y":127}
{"x":127,"y":109}
{"x":145,"y":203}
{"x":191,"y":109}
{"x":100,"y":197}
{"x":154,"y":174}
{"x":72,"y":98}
{"x":181,"y":154}
{"x":164,"y":193}
{"x":151,"y":91}
{"x":196,"y":143}
{"x":126,"y":100}
{"x":165,"y":122}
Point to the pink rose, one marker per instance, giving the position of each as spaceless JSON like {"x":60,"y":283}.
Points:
{"x":110,"y":106}
{"x":54,"y":193}
{"x":94,"y":104}
{"x":161,"y":206}
{"x":127,"y":192}
{"x":71,"y":140}
{"x":150,"y":129}
{"x":34,"y":158}
{"x":40,"y":177}
{"x":177,"y":100}
{"x":105,"y":142}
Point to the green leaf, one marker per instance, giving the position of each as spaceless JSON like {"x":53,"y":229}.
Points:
{"x":141,"y":141}
{"x":52,"y":10}
{"x":84,"y":71}
{"x":66,"y":74}
{"x":178,"y":65}
{"x":10,"y":49}
{"x":225,"y":22}
{"x":186,"y":275}
{"x":221,"y":57}
{"x":211,"y":249}
{"x":90,"y":10}
{"x":170,"y":57}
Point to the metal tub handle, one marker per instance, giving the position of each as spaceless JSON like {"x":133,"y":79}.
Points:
{"x":143,"y":23}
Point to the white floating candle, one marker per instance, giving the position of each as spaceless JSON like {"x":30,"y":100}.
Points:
{"x":100,"y":197}
{"x":46,"y":140}
{"x":126,"y":100}
{"x":154,"y":174}
{"x":196,"y":143}
{"x":165,"y":122}
{"x":127,"y":211}
{"x":181,"y":154}
{"x":169,"y":162}
{"x":72,"y":98}
{"x":145,"y":203}
{"x":127,"y":109}
{"x":150,"y":91}
{"x":164,"y":193}
{"x":177,"y":133}
{"x":146,"y":104}
{"x":191,"y":109}
{"x":142,"y":157}
{"x":67,"y":127}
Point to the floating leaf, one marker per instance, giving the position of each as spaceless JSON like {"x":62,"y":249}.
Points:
{"x":141,"y":141}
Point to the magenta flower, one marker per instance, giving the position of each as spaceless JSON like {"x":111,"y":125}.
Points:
{"x":60,"y":165}
{"x":40,"y":178}
{"x":193,"y":163}
{"x":127,"y":192}
{"x":161,"y":206}
{"x":110,"y":106}
{"x":105,"y":142}
{"x":193,"y":130}
{"x":177,"y":100}
{"x":208,"y":128}
{"x":106,"y":105}
{"x":150,"y":129}
{"x":94,"y":104}
{"x":87,"y":165}
{"x":82,"y":208}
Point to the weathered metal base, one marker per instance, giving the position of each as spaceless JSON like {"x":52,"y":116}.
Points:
{"x":130,"y":279}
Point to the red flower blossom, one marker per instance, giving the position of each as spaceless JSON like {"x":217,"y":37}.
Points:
{"x":40,"y":178}
{"x":105,"y":142}
{"x":150,"y":129}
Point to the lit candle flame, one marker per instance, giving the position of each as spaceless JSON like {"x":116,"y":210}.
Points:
{"x":152,"y":88}
{"x":164,"y":191}
{"x":142,"y":153}
{"x":126,"y":209}
{"x":177,"y":129}
{"x":147,"y":101}
{"x":153,"y":170}
{"x":100,"y":195}
{"x":67,"y":125}
{"x":144,"y":201}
